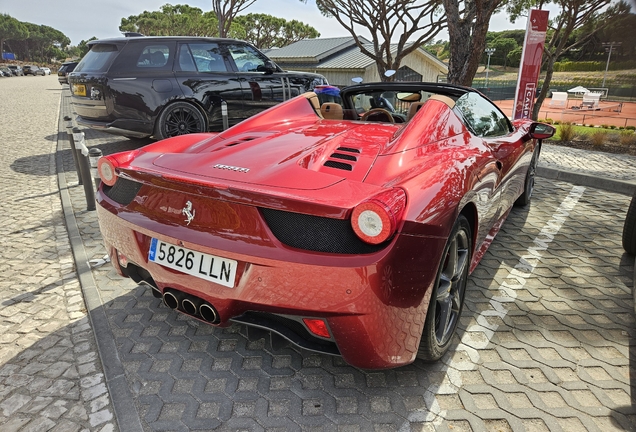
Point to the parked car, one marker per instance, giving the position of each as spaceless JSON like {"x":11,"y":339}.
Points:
{"x":5,"y":71}
{"x":46,"y":70}
{"x":16,"y":70}
{"x":168,"y":86}
{"x":64,"y":70}
{"x":344,"y":228}
{"x":32,"y":70}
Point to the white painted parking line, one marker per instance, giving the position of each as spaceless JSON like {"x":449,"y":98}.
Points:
{"x":515,"y":280}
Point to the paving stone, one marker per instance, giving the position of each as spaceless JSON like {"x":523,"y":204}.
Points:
{"x":37,"y":365}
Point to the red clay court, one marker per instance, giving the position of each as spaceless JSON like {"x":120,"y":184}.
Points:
{"x":608,"y":113}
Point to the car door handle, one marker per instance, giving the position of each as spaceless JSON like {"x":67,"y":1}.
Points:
{"x":499,"y":165}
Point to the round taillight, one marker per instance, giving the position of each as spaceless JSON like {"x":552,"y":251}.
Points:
{"x":376,"y":219}
{"x":106,"y":170}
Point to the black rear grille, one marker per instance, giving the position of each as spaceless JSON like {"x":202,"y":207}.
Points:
{"x":316,"y":233}
{"x":349,"y":149}
{"x":290,"y":329}
{"x":339,"y":165}
{"x":344,"y":156}
{"x":123,"y":191}
{"x":339,"y":154}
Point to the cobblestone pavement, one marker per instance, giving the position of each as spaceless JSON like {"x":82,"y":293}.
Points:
{"x":545,"y":340}
{"x":590,"y":163}
{"x":51,"y":377}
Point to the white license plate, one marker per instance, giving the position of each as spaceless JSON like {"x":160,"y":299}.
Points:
{"x":199,"y":264}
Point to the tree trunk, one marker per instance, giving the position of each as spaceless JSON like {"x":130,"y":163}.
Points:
{"x":544,"y":88}
{"x":467,"y":39}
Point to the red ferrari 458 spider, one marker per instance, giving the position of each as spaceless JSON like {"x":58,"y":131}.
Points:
{"x":346,"y":222}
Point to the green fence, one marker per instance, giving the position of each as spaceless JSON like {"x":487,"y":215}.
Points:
{"x":624,"y":91}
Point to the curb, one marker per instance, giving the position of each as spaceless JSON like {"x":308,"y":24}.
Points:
{"x":126,"y":413}
{"x":610,"y":185}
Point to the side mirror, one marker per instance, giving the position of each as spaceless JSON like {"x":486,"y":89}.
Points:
{"x":541,"y":131}
{"x":269,"y":67}
{"x":357,"y":80}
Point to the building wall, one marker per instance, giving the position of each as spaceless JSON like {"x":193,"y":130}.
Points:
{"x":342,"y":77}
{"x":416,"y":61}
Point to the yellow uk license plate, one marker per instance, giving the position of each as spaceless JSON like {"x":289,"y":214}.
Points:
{"x":79,"y":89}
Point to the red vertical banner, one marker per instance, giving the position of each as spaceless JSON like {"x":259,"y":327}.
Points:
{"x":530,"y":66}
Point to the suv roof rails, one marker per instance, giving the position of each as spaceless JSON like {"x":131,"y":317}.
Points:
{"x":132,"y":34}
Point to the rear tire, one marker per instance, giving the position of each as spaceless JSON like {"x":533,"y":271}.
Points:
{"x":179,"y":118}
{"x":629,"y":229}
{"x":447,"y":298}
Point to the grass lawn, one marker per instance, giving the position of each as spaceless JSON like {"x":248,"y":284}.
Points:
{"x":587,"y":131}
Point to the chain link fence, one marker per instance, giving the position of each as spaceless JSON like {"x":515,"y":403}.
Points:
{"x":623,"y":91}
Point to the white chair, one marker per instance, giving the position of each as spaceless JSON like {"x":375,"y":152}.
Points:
{"x":559,"y":99}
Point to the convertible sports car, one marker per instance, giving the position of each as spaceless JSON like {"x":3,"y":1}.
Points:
{"x":348,"y":228}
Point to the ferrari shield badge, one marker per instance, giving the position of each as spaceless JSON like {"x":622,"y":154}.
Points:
{"x":188,"y":212}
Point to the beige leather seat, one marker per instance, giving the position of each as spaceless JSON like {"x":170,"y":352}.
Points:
{"x":413,"y":109}
{"x":313,"y":100}
{"x":331,"y":111}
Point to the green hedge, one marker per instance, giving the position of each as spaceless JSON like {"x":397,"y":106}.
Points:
{"x":588,"y":66}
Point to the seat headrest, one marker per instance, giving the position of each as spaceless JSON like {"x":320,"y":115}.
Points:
{"x":413,"y":109}
{"x":331,"y":111}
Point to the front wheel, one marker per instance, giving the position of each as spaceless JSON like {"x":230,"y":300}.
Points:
{"x":179,"y":118}
{"x":528,"y":186}
{"x":447,"y":298}
{"x":629,"y":230}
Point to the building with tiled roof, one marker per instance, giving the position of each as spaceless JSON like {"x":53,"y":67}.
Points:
{"x":339,"y":60}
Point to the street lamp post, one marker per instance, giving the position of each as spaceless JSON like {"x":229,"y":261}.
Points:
{"x":608,"y":48}
{"x":490,"y":52}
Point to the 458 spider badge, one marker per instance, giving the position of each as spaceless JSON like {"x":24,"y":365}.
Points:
{"x":188,"y":212}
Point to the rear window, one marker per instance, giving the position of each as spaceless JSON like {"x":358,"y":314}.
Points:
{"x":153,"y":56}
{"x":98,"y":59}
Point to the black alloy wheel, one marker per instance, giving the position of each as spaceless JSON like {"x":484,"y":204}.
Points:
{"x":629,"y":230}
{"x":179,"y":118}
{"x":528,"y":186}
{"x":447,"y":298}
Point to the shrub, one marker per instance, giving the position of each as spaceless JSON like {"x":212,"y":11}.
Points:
{"x":612,"y":127}
{"x":557,"y":122}
{"x":548,"y":121}
{"x":598,"y":137}
{"x":566,"y":132}
{"x":631,"y":128}
{"x":604,"y":126}
{"x":628,"y":139}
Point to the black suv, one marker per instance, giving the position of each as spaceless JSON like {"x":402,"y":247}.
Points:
{"x":64,"y":70}
{"x":168,"y":86}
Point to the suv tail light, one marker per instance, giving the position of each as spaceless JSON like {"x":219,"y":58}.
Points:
{"x":376,"y":219}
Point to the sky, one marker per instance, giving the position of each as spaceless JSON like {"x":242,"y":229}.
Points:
{"x":83,"y":19}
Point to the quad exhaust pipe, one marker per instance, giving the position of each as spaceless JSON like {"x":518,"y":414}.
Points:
{"x":190,"y":305}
